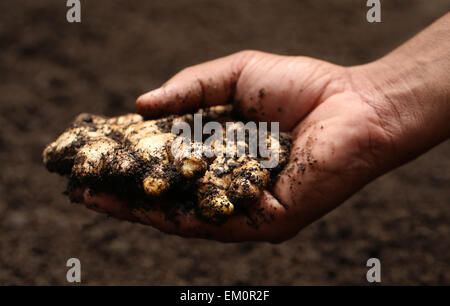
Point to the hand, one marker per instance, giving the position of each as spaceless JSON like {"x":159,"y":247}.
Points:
{"x":346,"y":125}
{"x":337,"y":139}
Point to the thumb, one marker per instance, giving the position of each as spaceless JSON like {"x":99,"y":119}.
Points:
{"x":207,"y":84}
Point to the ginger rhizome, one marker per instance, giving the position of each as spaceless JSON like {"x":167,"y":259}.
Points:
{"x":147,"y":157}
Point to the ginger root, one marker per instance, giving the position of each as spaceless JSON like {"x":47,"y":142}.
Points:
{"x":146,"y":158}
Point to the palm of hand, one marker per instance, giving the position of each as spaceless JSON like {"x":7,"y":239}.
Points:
{"x":338,"y":141}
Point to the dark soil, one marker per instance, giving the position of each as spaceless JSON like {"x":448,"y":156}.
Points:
{"x":52,"y":70}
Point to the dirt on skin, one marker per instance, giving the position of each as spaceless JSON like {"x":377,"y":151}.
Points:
{"x":53,"y":70}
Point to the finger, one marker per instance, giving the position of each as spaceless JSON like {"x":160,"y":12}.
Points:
{"x":207,"y":84}
{"x":103,"y":202}
{"x":267,"y":220}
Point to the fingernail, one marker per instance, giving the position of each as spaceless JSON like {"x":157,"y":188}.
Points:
{"x":149,"y":95}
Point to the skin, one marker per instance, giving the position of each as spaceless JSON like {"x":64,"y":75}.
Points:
{"x":350,"y":125}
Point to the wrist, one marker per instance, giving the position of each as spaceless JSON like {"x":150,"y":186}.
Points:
{"x":410,"y":90}
{"x":410,"y":101}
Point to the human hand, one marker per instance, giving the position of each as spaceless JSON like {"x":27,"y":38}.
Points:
{"x":337,"y":139}
{"x":349,"y":125}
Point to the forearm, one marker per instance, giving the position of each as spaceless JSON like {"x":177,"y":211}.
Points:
{"x":410,"y":89}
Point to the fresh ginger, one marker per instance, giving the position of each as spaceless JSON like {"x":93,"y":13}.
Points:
{"x":145,"y":154}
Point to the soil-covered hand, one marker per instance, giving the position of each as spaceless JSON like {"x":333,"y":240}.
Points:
{"x":349,"y":125}
{"x":337,"y":144}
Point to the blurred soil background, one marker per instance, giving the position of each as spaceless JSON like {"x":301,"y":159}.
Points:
{"x":51,"y":70}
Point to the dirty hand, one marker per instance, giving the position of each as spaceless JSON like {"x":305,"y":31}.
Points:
{"x":349,"y":125}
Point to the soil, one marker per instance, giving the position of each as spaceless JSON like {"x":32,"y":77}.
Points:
{"x":52,"y":70}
